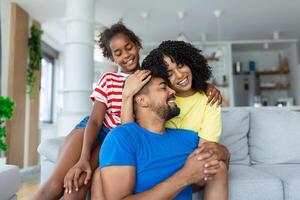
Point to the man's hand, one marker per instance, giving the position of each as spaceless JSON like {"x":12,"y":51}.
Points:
{"x":213,"y":94}
{"x":194,"y":168}
{"x":73,"y":175}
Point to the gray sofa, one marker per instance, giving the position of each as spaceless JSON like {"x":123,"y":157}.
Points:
{"x":10,"y":180}
{"x":265,"y":153}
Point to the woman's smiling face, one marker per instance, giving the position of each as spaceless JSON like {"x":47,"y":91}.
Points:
{"x":180,"y":77}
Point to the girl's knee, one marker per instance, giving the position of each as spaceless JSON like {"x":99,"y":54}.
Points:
{"x":223,"y":170}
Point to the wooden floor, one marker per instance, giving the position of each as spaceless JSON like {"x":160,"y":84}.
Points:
{"x":27,"y":189}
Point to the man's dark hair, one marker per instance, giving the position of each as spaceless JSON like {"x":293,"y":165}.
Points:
{"x":181,"y":53}
{"x":145,"y":88}
{"x":108,"y":33}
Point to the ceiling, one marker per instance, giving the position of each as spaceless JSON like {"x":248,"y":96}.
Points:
{"x":241,"y":19}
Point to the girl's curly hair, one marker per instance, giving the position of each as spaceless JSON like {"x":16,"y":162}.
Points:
{"x":108,"y":33}
{"x":181,"y":53}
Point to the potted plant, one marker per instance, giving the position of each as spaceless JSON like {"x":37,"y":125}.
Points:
{"x":6,"y":111}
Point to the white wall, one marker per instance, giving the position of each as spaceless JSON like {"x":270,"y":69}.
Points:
{"x":5,"y":28}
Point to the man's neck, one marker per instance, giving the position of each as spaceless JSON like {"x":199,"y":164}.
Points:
{"x":152,"y":122}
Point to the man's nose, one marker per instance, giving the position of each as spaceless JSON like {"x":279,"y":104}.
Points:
{"x":171,"y":91}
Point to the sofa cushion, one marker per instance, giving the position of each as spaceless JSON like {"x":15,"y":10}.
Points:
{"x":248,"y":183}
{"x":50,"y":148}
{"x":274,"y":136}
{"x":290,"y":176}
{"x":9,"y":181}
{"x":234,"y":134}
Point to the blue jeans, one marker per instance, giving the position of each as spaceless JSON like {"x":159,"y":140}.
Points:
{"x":102,"y":133}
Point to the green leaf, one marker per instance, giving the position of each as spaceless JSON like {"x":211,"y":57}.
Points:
{"x":35,"y":57}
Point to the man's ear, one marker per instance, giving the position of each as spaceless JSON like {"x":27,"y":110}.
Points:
{"x":141,"y":100}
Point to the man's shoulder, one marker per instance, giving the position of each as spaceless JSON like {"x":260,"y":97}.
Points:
{"x":126,"y":126}
{"x":128,"y":129}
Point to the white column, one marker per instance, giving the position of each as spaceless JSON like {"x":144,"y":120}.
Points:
{"x":78,"y":63}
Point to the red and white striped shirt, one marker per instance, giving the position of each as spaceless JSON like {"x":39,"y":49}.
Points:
{"x":108,"y":90}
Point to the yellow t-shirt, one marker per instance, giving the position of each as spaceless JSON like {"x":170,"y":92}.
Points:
{"x":196,"y":115}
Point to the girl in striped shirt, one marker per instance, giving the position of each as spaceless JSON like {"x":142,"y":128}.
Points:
{"x":79,"y":154}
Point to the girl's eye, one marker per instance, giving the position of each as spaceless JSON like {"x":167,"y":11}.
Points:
{"x":170,"y":74}
{"x":117,"y":53}
{"x":129,"y":47}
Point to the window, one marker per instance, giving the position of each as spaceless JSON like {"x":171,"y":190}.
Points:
{"x":47,"y":83}
{"x":46,"y":92}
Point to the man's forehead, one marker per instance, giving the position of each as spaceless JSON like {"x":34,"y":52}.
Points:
{"x":157,"y":81}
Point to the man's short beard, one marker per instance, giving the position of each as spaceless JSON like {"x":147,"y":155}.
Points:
{"x":166,"y":112}
{"x":171,"y":112}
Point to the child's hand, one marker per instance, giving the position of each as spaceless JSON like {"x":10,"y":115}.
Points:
{"x":73,"y":176}
{"x":213,"y":94}
{"x":135,"y":82}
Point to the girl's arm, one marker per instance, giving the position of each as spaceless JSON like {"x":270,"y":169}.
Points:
{"x":89,"y":138}
{"x":133,"y":84}
{"x":92,"y":129}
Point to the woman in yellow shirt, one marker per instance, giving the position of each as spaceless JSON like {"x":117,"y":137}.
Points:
{"x":188,"y":73}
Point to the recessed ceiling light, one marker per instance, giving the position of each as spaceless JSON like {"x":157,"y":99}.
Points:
{"x":144,"y":14}
{"x":218,"y":13}
{"x":181,"y":14}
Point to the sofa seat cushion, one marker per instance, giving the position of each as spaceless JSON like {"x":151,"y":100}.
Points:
{"x":50,"y":148}
{"x":290,"y":176}
{"x":248,"y":183}
{"x":235,"y":127}
{"x":274,"y":134}
{"x":9,"y":181}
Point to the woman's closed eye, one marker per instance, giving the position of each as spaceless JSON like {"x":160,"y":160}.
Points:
{"x":180,"y":66}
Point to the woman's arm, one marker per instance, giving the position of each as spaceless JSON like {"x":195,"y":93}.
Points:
{"x":213,"y":94}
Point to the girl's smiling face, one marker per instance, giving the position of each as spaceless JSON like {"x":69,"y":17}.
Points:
{"x":180,"y":77}
{"x":125,"y":53}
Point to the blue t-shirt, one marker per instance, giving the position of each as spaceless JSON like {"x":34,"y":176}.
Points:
{"x":155,"y":157}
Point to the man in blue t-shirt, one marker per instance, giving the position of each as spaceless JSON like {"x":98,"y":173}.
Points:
{"x":144,"y":160}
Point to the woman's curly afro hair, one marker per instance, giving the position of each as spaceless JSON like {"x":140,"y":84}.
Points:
{"x":108,"y":33}
{"x":181,"y":53}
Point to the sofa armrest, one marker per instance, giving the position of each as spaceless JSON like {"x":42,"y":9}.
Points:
{"x":50,"y":148}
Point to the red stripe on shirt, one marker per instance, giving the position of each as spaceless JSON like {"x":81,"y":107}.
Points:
{"x":107,"y":124}
{"x":115,"y":86}
{"x":115,"y":80}
{"x":114,"y":93}
{"x":116,"y":107}
{"x":101,"y":92}
{"x":115,"y":100}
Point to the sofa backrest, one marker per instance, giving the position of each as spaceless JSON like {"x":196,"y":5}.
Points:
{"x":274,"y":136}
{"x":235,"y":127}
